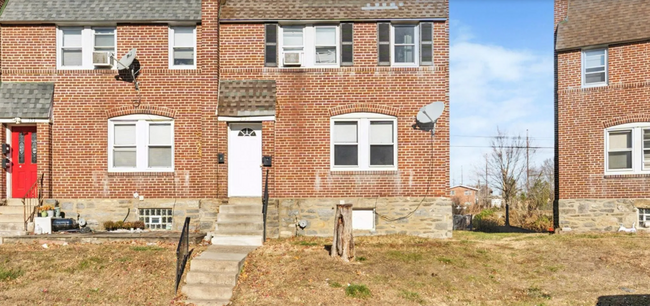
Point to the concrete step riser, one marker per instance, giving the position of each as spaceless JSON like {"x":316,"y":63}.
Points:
{"x":244,"y":200}
{"x":240,"y":209}
{"x":21,"y":232}
{"x":15,"y":202}
{"x":222,"y":279}
{"x":204,"y":292}
{"x":214,"y":266}
{"x":11,"y":217}
{"x":12,"y":226}
{"x":208,"y":302}
{"x":239,"y":226}
{"x":240,"y":217}
{"x":12,"y":209}
{"x":237,"y":240}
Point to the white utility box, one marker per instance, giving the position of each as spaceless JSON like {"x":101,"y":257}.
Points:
{"x":42,"y":225}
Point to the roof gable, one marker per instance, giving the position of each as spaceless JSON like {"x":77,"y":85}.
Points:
{"x":261,"y":10}
{"x":30,"y":11}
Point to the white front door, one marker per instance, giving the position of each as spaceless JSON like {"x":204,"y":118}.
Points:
{"x":244,"y":160}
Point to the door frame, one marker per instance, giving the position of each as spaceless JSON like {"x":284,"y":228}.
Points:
{"x":9,"y":138}
{"x":229,"y":147}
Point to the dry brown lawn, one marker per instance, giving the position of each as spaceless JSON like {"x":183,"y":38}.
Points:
{"x":88,"y":274}
{"x":470,"y":269}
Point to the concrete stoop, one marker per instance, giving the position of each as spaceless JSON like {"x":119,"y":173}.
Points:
{"x":240,"y":222}
{"x":213,"y":275}
{"x":11,"y":219}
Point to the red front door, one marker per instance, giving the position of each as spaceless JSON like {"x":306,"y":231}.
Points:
{"x":23,"y":160}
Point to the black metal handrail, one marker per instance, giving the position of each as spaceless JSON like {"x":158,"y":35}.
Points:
{"x":32,"y":199}
{"x":182,"y":252}
{"x":265,"y":203}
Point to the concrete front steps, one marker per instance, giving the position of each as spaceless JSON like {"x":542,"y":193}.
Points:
{"x":213,"y":274}
{"x":239,"y":222}
{"x":12,"y":222}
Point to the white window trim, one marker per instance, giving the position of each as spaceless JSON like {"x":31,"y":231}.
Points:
{"x":645,"y":215}
{"x":416,"y":45}
{"x":309,"y":46}
{"x":142,"y":135}
{"x":583,"y":67}
{"x":637,"y":148}
{"x":171,"y":46}
{"x":363,"y":141}
{"x":87,"y":47}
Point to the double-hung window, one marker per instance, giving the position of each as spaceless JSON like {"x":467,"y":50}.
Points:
{"x":86,"y":47}
{"x":141,"y":143}
{"x":627,"y":149}
{"x":594,"y":67}
{"x":310,"y":46}
{"x":182,"y":47}
{"x":644,"y":217}
{"x":467,"y":192}
{"x":404,"y":38}
{"x":363,"y":141}
{"x":406,"y":45}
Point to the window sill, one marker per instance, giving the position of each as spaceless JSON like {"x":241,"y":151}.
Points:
{"x":152,"y":173}
{"x":182,"y":67}
{"x":364,"y":172}
{"x":595,"y":85}
{"x":626,"y":175}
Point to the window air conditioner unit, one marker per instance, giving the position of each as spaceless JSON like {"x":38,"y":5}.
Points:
{"x":292,"y":59}
{"x":102,"y":58}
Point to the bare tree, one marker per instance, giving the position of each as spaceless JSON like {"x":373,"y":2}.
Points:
{"x":506,"y":166}
{"x":541,"y":191}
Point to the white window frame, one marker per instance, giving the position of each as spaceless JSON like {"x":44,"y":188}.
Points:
{"x":87,"y":47}
{"x":309,"y":46}
{"x":468,"y":192}
{"x":363,"y":141}
{"x":453,"y":192}
{"x":142,"y":123}
{"x":637,"y":148}
{"x":583,"y":67}
{"x":172,"y":45}
{"x":416,"y":45}
{"x":644,"y":217}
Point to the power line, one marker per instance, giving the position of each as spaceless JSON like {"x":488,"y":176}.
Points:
{"x":482,"y":136}
{"x":508,"y":147}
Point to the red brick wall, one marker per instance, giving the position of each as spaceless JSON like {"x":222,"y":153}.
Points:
{"x":459,"y":192}
{"x":3,"y":173}
{"x":305,"y":98}
{"x":84,"y":98}
{"x":583,"y":114}
{"x":561,"y":9}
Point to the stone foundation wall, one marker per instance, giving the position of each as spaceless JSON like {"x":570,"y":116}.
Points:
{"x":431,"y":218}
{"x":607,"y":215}
{"x":203,"y":212}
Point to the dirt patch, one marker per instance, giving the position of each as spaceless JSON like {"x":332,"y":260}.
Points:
{"x":470,"y":269}
{"x":88,"y":274}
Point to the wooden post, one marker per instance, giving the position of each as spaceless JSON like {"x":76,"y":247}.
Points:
{"x":343,"y":244}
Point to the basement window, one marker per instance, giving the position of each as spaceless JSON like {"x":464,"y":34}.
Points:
{"x":644,"y":217}
{"x":156,"y":218}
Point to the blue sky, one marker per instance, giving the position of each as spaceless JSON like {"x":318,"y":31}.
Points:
{"x":501,"y":74}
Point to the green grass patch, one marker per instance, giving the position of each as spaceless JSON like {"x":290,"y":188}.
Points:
{"x":306,"y":243}
{"x":537,"y":293}
{"x":91,"y":262}
{"x":411,"y":296}
{"x":9,"y":274}
{"x":358,"y":291}
{"x":405,"y":257}
{"x":335,"y":285}
{"x":555,"y":268}
{"x":149,"y":248}
{"x":361,"y":258}
{"x":444,"y":260}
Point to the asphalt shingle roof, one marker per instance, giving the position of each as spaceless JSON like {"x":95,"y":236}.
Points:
{"x":246,"y":98}
{"x":598,"y":22}
{"x":251,"y":10}
{"x":25,"y":11}
{"x":26,"y":100}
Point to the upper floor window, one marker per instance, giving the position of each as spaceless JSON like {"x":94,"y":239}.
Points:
{"x":594,"y":67}
{"x":453,"y":192}
{"x":86,"y":47}
{"x":405,"y":44}
{"x":310,"y":46}
{"x":363,"y":141}
{"x":627,"y":149}
{"x":467,"y":192}
{"x":182,"y":47}
{"x":141,"y":143}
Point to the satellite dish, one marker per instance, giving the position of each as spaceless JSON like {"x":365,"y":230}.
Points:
{"x":126,"y":60}
{"x":428,"y":115}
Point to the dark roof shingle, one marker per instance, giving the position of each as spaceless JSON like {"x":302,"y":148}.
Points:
{"x":26,"y":100}
{"x":252,"y":10}
{"x":246,"y":98}
{"x":598,"y":22}
{"x":25,"y":11}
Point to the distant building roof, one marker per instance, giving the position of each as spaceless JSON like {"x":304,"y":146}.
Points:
{"x":260,"y":10}
{"x":598,"y":22}
{"x":465,"y":187}
{"x":28,"y":11}
{"x":246,"y":98}
{"x":26,"y":100}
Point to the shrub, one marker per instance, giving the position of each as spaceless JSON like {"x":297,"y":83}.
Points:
{"x":138,"y":224}
{"x":109,"y":225}
{"x":119,"y":224}
{"x":357,"y":291}
{"x":487,"y":221}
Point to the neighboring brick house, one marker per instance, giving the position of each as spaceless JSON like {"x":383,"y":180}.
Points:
{"x":349,"y":78}
{"x":602,"y":114}
{"x":466,"y":195}
{"x":215,"y":95}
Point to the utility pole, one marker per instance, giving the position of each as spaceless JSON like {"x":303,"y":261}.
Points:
{"x":487,"y":186}
{"x":527,"y":164}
